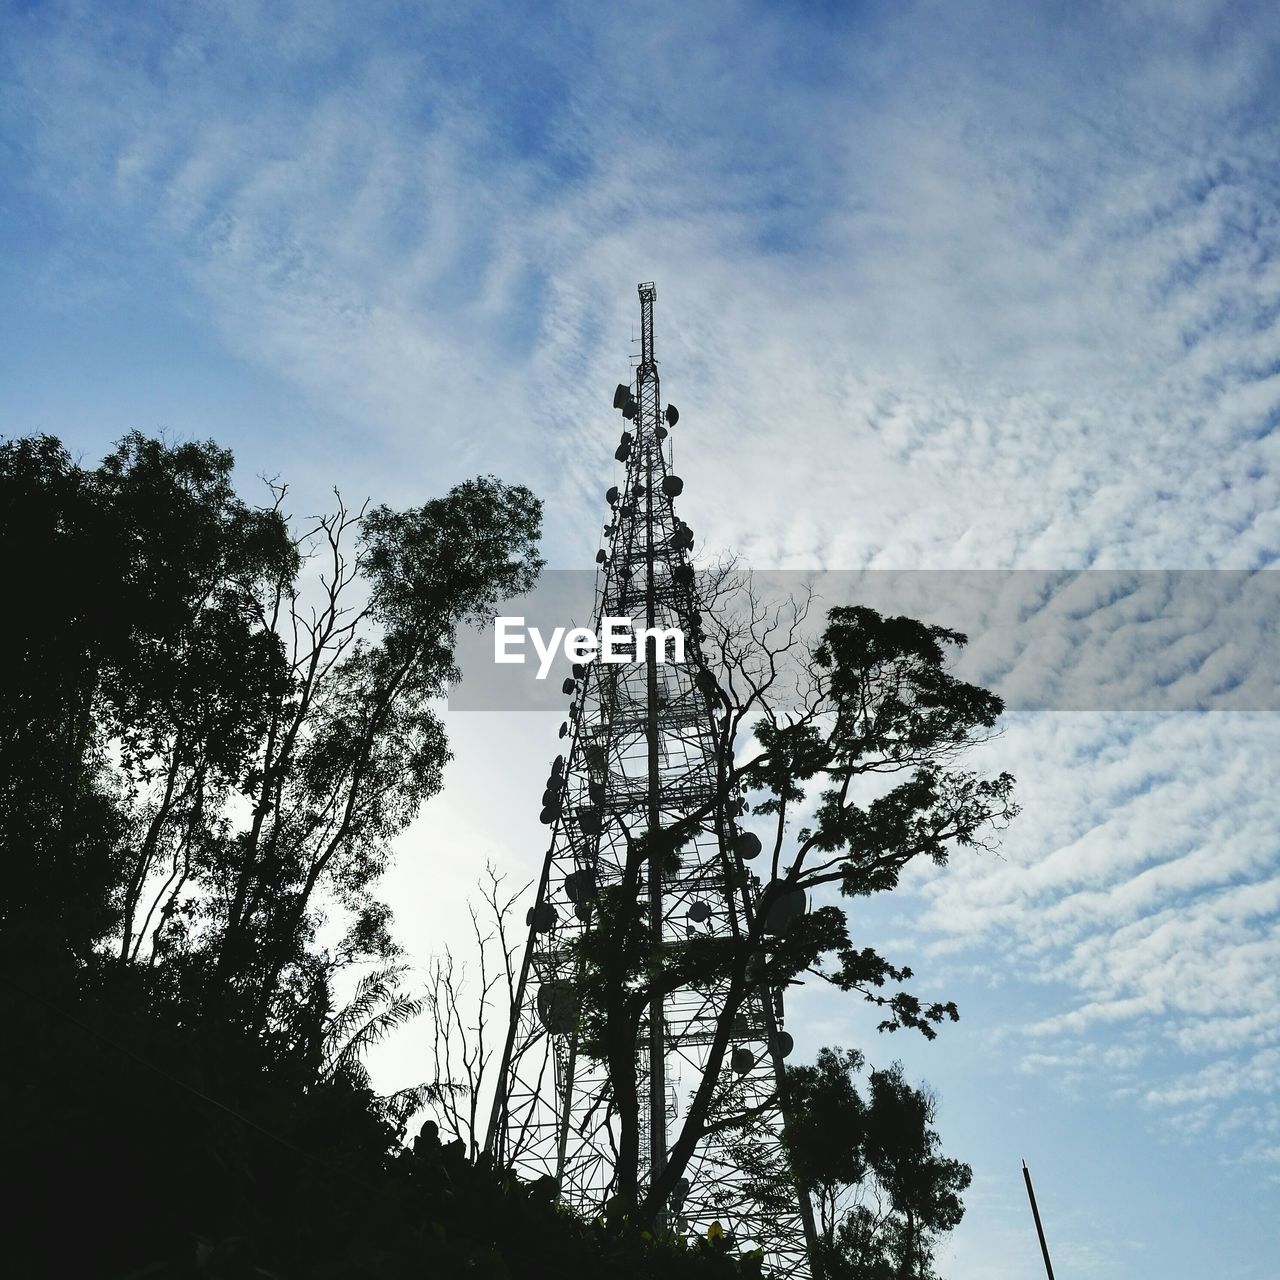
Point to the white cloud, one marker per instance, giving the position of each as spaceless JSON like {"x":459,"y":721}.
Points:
{"x":970,"y":288}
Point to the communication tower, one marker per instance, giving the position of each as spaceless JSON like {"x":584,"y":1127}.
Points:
{"x":644,"y":748}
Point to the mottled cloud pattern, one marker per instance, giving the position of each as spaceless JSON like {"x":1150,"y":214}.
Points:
{"x":989,"y":287}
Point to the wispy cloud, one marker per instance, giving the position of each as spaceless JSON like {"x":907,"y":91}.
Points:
{"x":953,"y":287}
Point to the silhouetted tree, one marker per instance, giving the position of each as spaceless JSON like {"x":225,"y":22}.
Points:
{"x":460,"y":1002}
{"x":130,"y":660}
{"x":215,"y":742}
{"x":871,"y":722}
{"x":884,"y":1190}
{"x":212,"y":726}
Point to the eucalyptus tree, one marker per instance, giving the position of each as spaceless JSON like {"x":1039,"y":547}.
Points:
{"x":216,"y":720}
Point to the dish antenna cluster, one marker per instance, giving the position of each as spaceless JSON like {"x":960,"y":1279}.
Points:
{"x":644,"y":751}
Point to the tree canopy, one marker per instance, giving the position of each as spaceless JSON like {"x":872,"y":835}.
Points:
{"x":883,"y":1189}
{"x":844,"y":752}
{"x":214,"y":721}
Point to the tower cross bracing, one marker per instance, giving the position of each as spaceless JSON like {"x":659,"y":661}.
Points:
{"x":645,"y":751}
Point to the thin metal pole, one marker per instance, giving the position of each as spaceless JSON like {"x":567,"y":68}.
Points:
{"x":1035,"y":1213}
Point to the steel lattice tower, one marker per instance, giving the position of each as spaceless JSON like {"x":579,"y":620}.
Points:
{"x":644,"y":751}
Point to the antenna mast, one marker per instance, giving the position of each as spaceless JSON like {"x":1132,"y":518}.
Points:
{"x":645,"y":752}
{"x":1035,"y":1213}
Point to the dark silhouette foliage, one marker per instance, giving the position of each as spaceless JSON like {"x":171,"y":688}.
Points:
{"x":882,"y":1190}
{"x":885,"y":1191}
{"x":868,"y":725}
{"x":212,"y":725}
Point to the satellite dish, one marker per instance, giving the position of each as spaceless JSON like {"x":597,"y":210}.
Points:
{"x":611,"y":494}
{"x":590,"y":822}
{"x":672,"y":415}
{"x":672,"y":486}
{"x":621,"y":395}
{"x":564,"y":728}
{"x":747,"y":845}
{"x":622,"y":453}
{"x":784,"y":1044}
{"x":742,"y":1061}
{"x":660,"y":432}
{"x":543,"y":917}
{"x":596,"y":791}
{"x":630,"y":409}
{"x":570,"y":685}
{"x":558,"y":1006}
{"x":699,"y":912}
{"x":597,"y":757}
{"x":549,"y":814}
{"x":602,"y":556}
{"x":580,"y":886}
{"x":784,"y":909}
{"x":579,"y":671}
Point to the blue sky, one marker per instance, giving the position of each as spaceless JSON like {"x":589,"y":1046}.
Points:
{"x":946,"y":286}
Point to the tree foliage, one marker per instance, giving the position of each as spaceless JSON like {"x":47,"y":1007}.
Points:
{"x":883,"y":1190}
{"x":844,"y":754}
{"x":216,"y":725}
{"x":214,"y":721}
